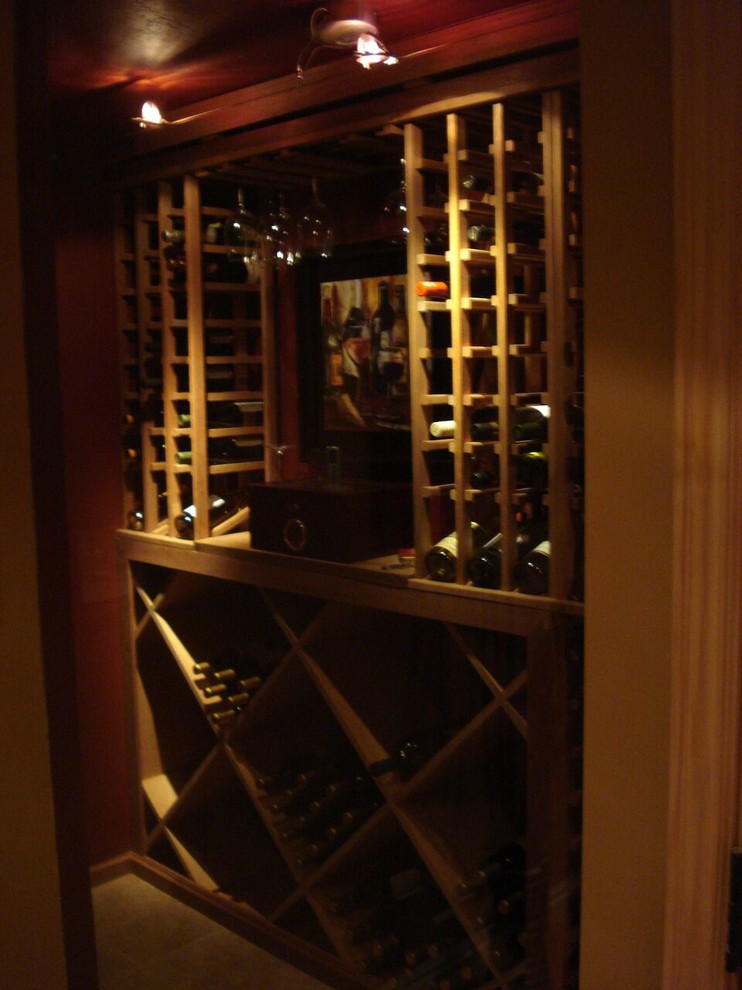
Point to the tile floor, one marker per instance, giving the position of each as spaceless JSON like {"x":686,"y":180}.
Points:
{"x":147,"y":940}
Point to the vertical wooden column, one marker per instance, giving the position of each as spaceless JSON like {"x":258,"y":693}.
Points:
{"x":629,"y":349}
{"x":458,"y":285}
{"x":196,"y":377}
{"x":418,"y":343}
{"x":561,"y":533}
{"x":704,"y":821}
{"x":504,"y":385}
{"x":269,"y":376}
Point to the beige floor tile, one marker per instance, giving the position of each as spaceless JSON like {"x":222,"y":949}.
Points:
{"x":147,"y":940}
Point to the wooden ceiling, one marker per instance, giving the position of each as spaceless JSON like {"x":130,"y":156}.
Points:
{"x":120,"y":52}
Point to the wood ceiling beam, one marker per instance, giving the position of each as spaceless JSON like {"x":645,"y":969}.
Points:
{"x":557,"y":68}
{"x":500,"y":35}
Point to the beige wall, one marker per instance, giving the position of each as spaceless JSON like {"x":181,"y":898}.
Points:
{"x":627,"y":145}
{"x":31,"y":945}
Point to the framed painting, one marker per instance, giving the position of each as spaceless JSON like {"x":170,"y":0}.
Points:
{"x":354,"y":354}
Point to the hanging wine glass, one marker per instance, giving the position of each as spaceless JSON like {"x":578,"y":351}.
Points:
{"x":315,"y":237}
{"x":394,"y":225}
{"x":280,"y":233}
{"x":242,"y":235}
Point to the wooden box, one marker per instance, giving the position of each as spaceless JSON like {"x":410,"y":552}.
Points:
{"x":341,"y":521}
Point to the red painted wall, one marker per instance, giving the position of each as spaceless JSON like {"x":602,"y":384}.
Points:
{"x":90,"y":424}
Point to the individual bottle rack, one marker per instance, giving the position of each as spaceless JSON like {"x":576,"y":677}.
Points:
{"x":496,"y":338}
{"x":197,"y":360}
{"x":400,"y":791}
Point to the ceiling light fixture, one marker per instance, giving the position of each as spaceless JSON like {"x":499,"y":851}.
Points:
{"x":360,"y":32}
{"x":151,"y":116}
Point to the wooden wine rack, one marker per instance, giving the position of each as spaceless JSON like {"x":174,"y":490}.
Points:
{"x":348,"y":673}
{"x":171,"y":308}
{"x":355,"y":657}
{"x":509,"y":334}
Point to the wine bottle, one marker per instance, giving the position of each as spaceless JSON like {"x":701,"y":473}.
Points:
{"x":470,"y":973}
{"x":507,"y":947}
{"x":219,"y":378}
{"x":500,"y":872}
{"x":325,"y":810}
{"x":219,"y":343}
{"x":220,"y":508}
{"x":305,"y":787}
{"x":225,"y":450}
{"x":513,"y":906}
{"x":484,"y":431}
{"x":413,"y":752}
{"x":239,"y":700}
{"x":223,"y":717}
{"x":214,"y":690}
{"x":443,"y":429}
{"x":351,"y":819}
{"x":476,"y":185}
{"x":484,"y":568}
{"x":440,"y":560}
{"x":400,"y":329}
{"x":432,"y":289}
{"x":173,"y":236}
{"x":223,"y":414}
{"x":532,"y":470}
{"x":531,"y":422}
{"x":483,"y":479}
{"x":480,"y":233}
{"x":386,"y":953}
{"x":175,"y":262}
{"x":135,"y":520}
{"x":531,"y":574}
{"x":224,"y":269}
{"x":382,"y":321}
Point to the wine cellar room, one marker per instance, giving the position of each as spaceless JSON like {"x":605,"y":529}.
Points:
{"x":370,"y":584}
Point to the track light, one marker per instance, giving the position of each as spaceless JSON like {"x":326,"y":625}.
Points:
{"x":359,"y":32}
{"x":151,"y":116}
{"x":370,"y":51}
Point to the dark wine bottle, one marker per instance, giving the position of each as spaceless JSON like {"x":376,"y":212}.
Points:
{"x":484,"y":568}
{"x":382,"y":322}
{"x":531,"y":422}
{"x":507,"y":947}
{"x":220,"y":509}
{"x":306,"y":786}
{"x":135,"y":520}
{"x":476,"y":185}
{"x":224,"y":414}
{"x":484,"y":431}
{"x":440,"y":560}
{"x":480,"y":233}
{"x":386,"y":952}
{"x":173,"y":236}
{"x":531,"y":574}
{"x":500,"y":872}
{"x":351,"y":819}
{"x":513,"y":906}
{"x":413,"y":752}
{"x":226,"y":450}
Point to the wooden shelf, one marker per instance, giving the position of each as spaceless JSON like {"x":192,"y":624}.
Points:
{"x":347,"y":677}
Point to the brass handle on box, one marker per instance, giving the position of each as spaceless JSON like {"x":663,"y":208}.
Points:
{"x":295,"y":534}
